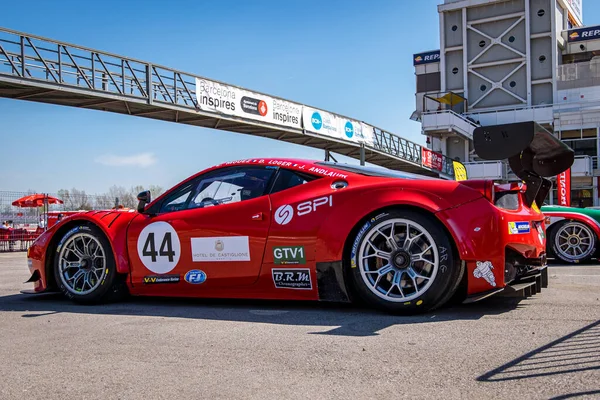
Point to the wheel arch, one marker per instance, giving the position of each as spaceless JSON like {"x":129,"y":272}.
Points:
{"x":349,"y":241}
{"x":121,"y":264}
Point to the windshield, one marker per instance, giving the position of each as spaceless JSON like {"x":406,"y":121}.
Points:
{"x":373,"y":171}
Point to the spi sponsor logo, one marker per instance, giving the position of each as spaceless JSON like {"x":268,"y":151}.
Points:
{"x":517,"y":228}
{"x":157,"y":279}
{"x":297,"y":278}
{"x":195,"y":277}
{"x":285,"y":213}
{"x":158,"y":247}
{"x":227,"y":248}
{"x":349,"y":130}
{"x":254,"y":106}
{"x":286,"y":255}
{"x":316,"y":120}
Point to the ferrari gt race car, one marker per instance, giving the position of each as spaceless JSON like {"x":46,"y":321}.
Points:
{"x":291,"y":229}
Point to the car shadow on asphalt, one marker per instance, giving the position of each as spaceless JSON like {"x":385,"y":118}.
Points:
{"x":578,"y":351}
{"x":345,"y":319}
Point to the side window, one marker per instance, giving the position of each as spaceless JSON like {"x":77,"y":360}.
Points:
{"x":287,"y":179}
{"x":178,"y":199}
{"x":230,"y":186}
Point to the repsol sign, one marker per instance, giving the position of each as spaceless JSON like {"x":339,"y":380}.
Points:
{"x":581,"y":34}
{"x":426,"y":58}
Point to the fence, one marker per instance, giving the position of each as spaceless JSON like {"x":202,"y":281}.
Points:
{"x":28,"y":223}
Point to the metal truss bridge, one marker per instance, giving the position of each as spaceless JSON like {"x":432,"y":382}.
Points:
{"x":38,"y":69}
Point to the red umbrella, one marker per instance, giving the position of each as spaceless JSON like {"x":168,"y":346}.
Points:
{"x":36,"y":200}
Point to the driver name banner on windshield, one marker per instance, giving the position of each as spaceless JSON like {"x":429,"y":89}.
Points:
{"x":218,"y":97}
{"x":224,"y":248}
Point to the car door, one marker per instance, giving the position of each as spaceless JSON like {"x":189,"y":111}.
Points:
{"x":208,"y":233}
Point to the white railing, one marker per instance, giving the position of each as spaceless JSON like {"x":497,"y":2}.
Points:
{"x":486,"y":170}
{"x":540,"y":114}
{"x":445,"y":120}
{"x":582,"y":166}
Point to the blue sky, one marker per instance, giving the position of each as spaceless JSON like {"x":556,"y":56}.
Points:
{"x":349,"y":57}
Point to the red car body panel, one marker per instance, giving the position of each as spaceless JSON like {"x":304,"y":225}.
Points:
{"x":321,"y":223}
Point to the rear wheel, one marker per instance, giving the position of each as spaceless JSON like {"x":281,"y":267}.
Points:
{"x":573,"y":241}
{"x":403,"y":262}
{"x":84,"y":266}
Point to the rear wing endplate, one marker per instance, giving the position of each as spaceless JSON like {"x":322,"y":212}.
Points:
{"x":533,"y":154}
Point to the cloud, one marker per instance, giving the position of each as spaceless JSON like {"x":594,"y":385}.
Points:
{"x":137,"y":160}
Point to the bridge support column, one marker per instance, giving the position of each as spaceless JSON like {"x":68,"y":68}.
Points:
{"x":362,"y":154}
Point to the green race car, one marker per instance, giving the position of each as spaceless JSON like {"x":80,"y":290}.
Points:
{"x":573,"y":233}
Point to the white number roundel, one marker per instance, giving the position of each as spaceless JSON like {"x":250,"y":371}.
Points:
{"x":158,"y":247}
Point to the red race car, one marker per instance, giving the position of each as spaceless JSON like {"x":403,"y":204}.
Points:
{"x":301,"y":230}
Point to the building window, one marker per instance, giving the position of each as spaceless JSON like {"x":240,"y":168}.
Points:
{"x":455,"y":70}
{"x":512,"y":84}
{"x":482,"y":43}
{"x":454,"y":28}
{"x":428,"y":82}
{"x":583,"y":147}
{"x":541,"y":12}
{"x":542,"y":58}
{"x":511,"y":39}
{"x":482,"y":88}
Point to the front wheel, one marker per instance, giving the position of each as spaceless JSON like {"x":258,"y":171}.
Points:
{"x":84,"y":266}
{"x":572,"y":241}
{"x":403,"y":262}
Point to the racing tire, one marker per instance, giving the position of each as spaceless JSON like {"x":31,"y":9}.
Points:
{"x":403,"y":262}
{"x":85,"y":269}
{"x":572,"y":242}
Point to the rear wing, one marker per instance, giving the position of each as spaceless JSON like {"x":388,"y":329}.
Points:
{"x":533,"y":154}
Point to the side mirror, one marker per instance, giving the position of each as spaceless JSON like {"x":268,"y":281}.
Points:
{"x":143,"y":198}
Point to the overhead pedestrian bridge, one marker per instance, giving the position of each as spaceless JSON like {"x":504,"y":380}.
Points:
{"x":43,"y":70}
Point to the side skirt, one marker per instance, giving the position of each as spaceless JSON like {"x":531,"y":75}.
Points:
{"x":331,"y":283}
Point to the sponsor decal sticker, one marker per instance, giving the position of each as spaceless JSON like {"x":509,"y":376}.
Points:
{"x":159,"y":248}
{"x":285,"y":213}
{"x":484,"y":270}
{"x":298,"y":278}
{"x":517,"y":228}
{"x":156,"y":279}
{"x":285,"y":255}
{"x":226,"y":248}
{"x":195,"y":277}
